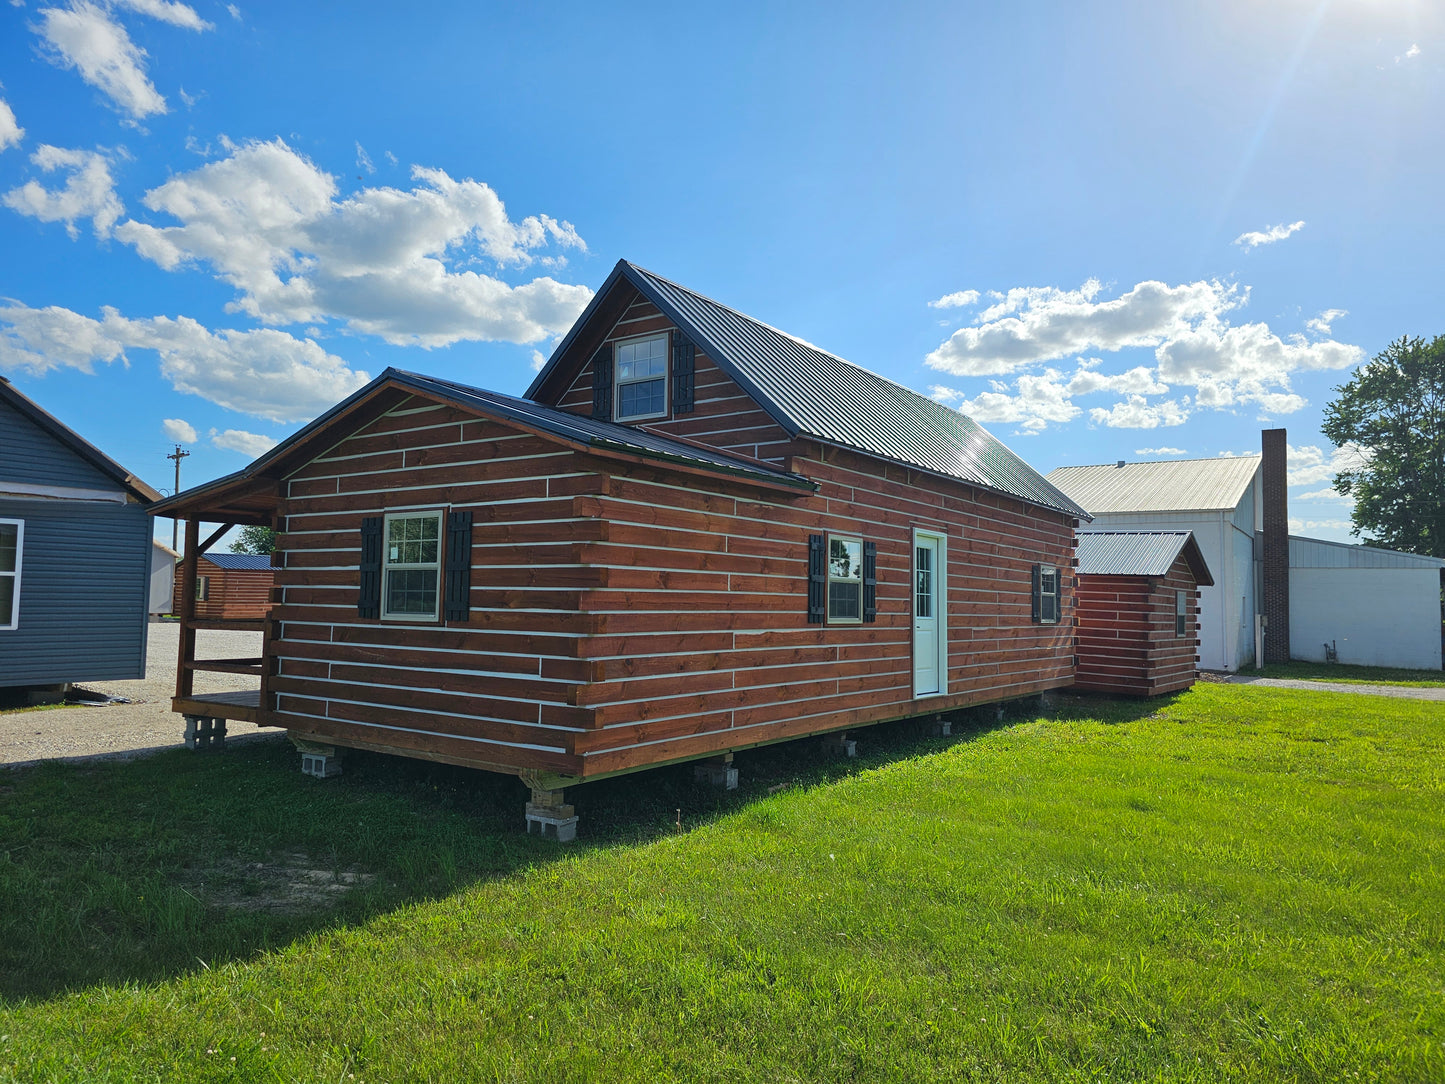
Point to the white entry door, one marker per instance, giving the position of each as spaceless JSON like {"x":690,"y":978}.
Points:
{"x":929,"y":666}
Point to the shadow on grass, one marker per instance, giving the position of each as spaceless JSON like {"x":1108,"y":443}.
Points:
{"x":140,"y":870}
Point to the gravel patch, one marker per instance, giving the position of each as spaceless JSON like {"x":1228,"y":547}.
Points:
{"x":147,"y":724}
{"x":1404,"y":692}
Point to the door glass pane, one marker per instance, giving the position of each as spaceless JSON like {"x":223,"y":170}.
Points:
{"x":7,"y":598}
{"x":923,"y":595}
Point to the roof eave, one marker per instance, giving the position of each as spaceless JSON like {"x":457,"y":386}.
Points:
{"x":1076,"y":512}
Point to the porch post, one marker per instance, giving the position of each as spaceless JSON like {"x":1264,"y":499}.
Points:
{"x":185,"y":676}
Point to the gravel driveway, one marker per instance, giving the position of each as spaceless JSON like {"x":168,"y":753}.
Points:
{"x":145,"y":725}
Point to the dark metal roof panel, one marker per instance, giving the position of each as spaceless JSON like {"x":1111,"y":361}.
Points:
{"x":811,"y":391}
{"x":1137,"y":553}
{"x":586,"y":430}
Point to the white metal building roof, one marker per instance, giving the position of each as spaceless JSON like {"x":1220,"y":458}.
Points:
{"x":1194,"y":485}
{"x":1317,"y":553}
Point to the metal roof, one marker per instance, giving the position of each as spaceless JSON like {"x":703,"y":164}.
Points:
{"x":87,"y":451}
{"x":810,"y":391}
{"x":248,"y":562}
{"x":604,"y":436}
{"x":1319,"y":553}
{"x":1138,"y":553}
{"x":599,"y":434}
{"x":1192,"y":485}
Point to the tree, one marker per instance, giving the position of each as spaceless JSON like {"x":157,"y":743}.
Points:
{"x":1394,"y":410}
{"x":254,"y":540}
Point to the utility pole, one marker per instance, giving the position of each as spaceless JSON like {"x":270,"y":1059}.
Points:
{"x":177,"y":455}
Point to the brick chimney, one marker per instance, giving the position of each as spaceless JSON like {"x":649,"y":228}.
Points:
{"x":1275,"y":525}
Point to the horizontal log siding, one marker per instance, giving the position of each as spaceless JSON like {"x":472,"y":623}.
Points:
{"x":496,"y":691}
{"x":723,"y":416}
{"x":232,"y":594}
{"x":700,"y":639}
{"x":622,"y":616}
{"x":1126,"y":628}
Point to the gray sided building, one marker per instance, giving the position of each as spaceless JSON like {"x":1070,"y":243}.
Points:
{"x":75,"y":554}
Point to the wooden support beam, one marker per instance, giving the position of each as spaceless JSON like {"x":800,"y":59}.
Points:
{"x":186,"y":653}
{"x":215,"y":535}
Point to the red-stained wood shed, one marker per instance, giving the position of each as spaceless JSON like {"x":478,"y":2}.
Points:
{"x":230,"y":586}
{"x":695,"y":534}
{"x":1138,"y":611}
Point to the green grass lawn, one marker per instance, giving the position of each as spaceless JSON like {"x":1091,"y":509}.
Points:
{"x":1234,"y":883}
{"x":1351,"y":675}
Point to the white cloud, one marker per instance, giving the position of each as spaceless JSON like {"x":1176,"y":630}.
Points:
{"x":89,"y":191}
{"x":1322,"y":324}
{"x":1268,"y":235}
{"x":1034,"y":324}
{"x":250,"y":445}
{"x":363,"y":160}
{"x":176,"y":14}
{"x":85,"y":37}
{"x":1320,"y":524}
{"x":1320,"y":495}
{"x":539,"y":360}
{"x":234,"y":12}
{"x":1309,"y":464}
{"x":265,"y":372}
{"x":1137,"y":413}
{"x":958,"y":300}
{"x":1159,"y":451}
{"x":10,"y":131}
{"x":383,"y":260}
{"x":179,"y":430}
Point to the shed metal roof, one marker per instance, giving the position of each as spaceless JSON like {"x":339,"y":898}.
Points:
{"x":1192,"y":485}
{"x":1139,"y":553}
{"x":247,"y":562}
{"x":810,"y":391}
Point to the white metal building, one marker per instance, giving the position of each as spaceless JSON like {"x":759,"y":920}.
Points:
{"x":1217,"y":499}
{"x":1373,"y":607}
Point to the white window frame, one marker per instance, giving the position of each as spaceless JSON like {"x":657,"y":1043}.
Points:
{"x":387,"y":566}
{"x":1181,"y":613}
{"x":1056,"y":594}
{"x":203,"y":589}
{"x":828,"y":588}
{"x":11,"y":621}
{"x":618,"y":383}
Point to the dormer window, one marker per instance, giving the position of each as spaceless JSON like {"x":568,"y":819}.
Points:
{"x":640,"y":378}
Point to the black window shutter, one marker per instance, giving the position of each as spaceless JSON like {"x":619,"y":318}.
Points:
{"x":1038,"y":593}
{"x":602,"y":383}
{"x":817,"y":578}
{"x":684,"y":363}
{"x":368,"y":602}
{"x":459,"y":566}
{"x":870,"y":581}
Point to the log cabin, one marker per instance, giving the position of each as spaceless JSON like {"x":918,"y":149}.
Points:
{"x":694,"y":534}
{"x":230,"y":586}
{"x":1138,"y":611}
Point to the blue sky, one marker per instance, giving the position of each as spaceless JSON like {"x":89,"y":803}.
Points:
{"x":1106,"y":231}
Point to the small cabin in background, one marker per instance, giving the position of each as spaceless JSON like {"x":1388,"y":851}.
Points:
{"x":230,"y":586}
{"x":695,"y":534}
{"x":75,"y":554}
{"x":1138,"y":611}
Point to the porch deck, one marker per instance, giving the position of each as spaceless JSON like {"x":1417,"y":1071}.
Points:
{"x":243,"y":705}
